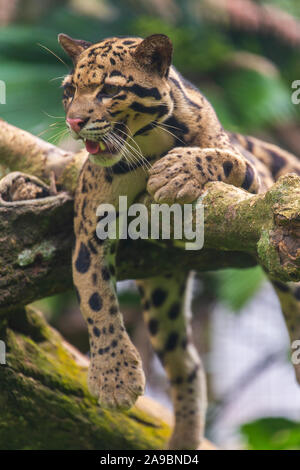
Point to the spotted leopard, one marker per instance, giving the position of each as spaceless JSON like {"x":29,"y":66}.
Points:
{"x":145,"y":126}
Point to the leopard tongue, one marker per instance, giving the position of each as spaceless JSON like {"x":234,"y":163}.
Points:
{"x":92,"y":147}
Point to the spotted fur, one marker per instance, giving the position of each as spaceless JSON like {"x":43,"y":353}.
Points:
{"x":159,"y":132}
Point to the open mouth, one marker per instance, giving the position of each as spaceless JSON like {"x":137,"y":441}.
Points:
{"x":98,"y":148}
{"x":110,"y":146}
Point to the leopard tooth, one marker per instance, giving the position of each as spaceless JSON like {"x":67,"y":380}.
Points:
{"x":102,"y":146}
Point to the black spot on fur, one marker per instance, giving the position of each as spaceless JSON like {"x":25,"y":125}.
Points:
{"x":249,"y":145}
{"x":146,"y":305}
{"x":193,"y":375}
{"x":105,"y":274}
{"x":277,"y":163}
{"x":160,"y":110}
{"x":90,"y":321}
{"x":249,"y":177}
{"x":83,"y":260}
{"x":184,"y":343}
{"x":153,"y":326}
{"x":116,"y":73}
{"x":227,"y":167}
{"x":95,"y":302}
{"x":158,"y":297}
{"x":174,"y":311}
{"x":94,"y":278}
{"x":144,"y":92}
{"x":108,"y":177}
{"x":113,"y":310}
{"x":172,"y":341}
{"x":91,"y":247}
{"x":96,"y":331}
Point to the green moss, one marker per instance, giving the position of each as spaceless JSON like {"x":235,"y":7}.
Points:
{"x":45,"y":403}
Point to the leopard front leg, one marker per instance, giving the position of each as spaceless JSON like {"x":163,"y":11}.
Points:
{"x":115,"y":373}
{"x":181,"y":174}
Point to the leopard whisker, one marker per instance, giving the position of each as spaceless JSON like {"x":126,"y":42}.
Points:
{"x":157,"y":126}
{"x":132,"y":139}
{"x":53,"y":53}
{"x":135,"y":154}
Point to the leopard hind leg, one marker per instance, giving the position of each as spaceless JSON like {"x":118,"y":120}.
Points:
{"x":166,"y":307}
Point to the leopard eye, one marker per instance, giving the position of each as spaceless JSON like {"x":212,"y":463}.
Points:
{"x":108,"y":90}
{"x":69,"y":91}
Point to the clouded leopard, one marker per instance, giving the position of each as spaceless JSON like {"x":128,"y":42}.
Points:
{"x":146,"y":127}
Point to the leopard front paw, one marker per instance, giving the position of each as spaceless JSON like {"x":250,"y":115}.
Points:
{"x":172,"y":180}
{"x":117,"y":381}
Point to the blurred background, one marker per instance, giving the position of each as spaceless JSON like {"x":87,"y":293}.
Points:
{"x":244,"y":56}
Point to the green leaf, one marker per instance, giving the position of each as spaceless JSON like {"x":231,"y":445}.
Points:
{"x":235,"y":287}
{"x":272,"y":434}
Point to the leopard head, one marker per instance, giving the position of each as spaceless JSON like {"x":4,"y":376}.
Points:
{"x":116,"y":93}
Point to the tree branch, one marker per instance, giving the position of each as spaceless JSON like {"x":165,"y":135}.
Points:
{"x":22,"y":151}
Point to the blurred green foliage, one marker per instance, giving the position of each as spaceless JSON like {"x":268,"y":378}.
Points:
{"x":236,"y":286}
{"x":272,"y":434}
{"x":246,"y":100}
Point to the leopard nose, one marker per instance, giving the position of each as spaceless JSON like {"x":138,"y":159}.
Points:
{"x":76,"y":123}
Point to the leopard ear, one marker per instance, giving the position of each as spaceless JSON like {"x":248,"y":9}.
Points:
{"x":155,"y":54}
{"x":73,"y":47}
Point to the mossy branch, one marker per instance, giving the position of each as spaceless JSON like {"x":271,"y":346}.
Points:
{"x":45,"y":403}
{"x":266,"y":226}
